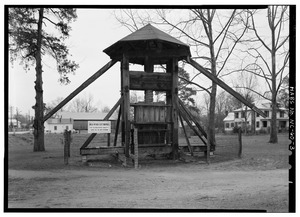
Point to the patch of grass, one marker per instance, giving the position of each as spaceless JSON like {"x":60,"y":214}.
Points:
{"x":257,"y":152}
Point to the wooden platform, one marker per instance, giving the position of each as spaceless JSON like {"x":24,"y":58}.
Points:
{"x":144,"y":149}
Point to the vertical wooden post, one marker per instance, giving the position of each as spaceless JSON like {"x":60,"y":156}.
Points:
{"x":240,"y":143}
{"x":136,"y":148}
{"x":169,"y":109}
{"x":126,"y":104}
{"x":67,"y":141}
{"x":174,"y":111}
{"x":253,"y":122}
{"x":108,"y":139}
{"x":208,"y":150}
{"x":122,"y":106}
{"x":148,"y":67}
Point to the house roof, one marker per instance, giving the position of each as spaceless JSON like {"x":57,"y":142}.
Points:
{"x":14,"y":121}
{"x":143,"y":40}
{"x":86,"y":115}
{"x":59,"y":121}
{"x":149,"y":32}
{"x":229,"y":117}
{"x":260,"y":104}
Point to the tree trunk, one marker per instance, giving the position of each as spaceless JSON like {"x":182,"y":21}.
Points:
{"x":38,"y":125}
{"x":273,"y":132}
{"x":253,"y":122}
{"x":211,"y":117}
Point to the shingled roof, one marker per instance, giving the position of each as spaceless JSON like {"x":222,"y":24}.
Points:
{"x":149,"y":32}
{"x":143,"y":40}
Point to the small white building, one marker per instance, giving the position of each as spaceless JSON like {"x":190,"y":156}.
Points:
{"x":242,"y":117}
{"x":14,"y":123}
{"x":58,"y":125}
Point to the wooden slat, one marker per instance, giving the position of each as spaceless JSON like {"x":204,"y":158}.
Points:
{"x":140,"y":104}
{"x":149,"y":81}
{"x":80,"y":88}
{"x":201,"y":148}
{"x":102,"y":151}
{"x":146,"y":150}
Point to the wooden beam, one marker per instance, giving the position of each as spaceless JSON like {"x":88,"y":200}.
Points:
{"x":126,"y":103}
{"x":224,"y":86}
{"x":166,"y":53}
{"x":117,"y":127}
{"x":182,"y":113}
{"x":80,"y":88}
{"x":196,"y":148}
{"x":174,"y":111}
{"x":88,"y":141}
{"x":92,"y":136}
{"x":148,"y":68}
{"x":150,"y":81}
{"x":102,"y":150}
{"x":186,"y":136}
{"x":169,"y":108}
{"x":192,"y":118}
{"x":113,"y":109}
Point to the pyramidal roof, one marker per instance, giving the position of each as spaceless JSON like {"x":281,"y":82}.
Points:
{"x":149,"y":32}
{"x":145,"y":39}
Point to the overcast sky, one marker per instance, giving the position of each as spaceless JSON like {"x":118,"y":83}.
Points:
{"x":92,"y":32}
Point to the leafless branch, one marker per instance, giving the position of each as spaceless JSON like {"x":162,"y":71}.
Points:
{"x":254,"y":91}
{"x":256,"y":33}
{"x":201,"y":87}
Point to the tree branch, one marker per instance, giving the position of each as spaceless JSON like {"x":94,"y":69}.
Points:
{"x":254,"y":92}
{"x":255,"y":31}
{"x":203,"y":88}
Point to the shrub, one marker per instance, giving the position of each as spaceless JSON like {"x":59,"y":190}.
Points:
{"x":235,"y":129}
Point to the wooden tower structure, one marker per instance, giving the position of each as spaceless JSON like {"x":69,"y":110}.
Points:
{"x":156,"y":123}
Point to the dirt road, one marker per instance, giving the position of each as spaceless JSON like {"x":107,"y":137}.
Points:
{"x":258,"y":181}
{"x":164,"y":187}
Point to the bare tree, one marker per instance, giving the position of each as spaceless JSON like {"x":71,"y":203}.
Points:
{"x":245,"y":84}
{"x":49,"y":106}
{"x":83,"y":104}
{"x":270,"y":54}
{"x":105,"y":109}
{"x":212,"y":34}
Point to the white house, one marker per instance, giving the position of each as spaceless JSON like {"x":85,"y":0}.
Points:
{"x":58,"y":125}
{"x":242,"y":117}
{"x":14,"y":123}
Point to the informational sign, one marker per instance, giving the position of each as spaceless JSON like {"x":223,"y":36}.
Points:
{"x":99,"y":127}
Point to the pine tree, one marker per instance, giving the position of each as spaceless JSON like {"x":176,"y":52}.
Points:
{"x":29,"y":42}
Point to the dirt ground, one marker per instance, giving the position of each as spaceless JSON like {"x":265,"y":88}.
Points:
{"x":258,"y":181}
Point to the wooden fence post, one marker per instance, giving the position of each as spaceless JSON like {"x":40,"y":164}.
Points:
{"x":208,"y":150}
{"x":240,"y":143}
{"x":67,"y":141}
{"x":136,"y":148}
